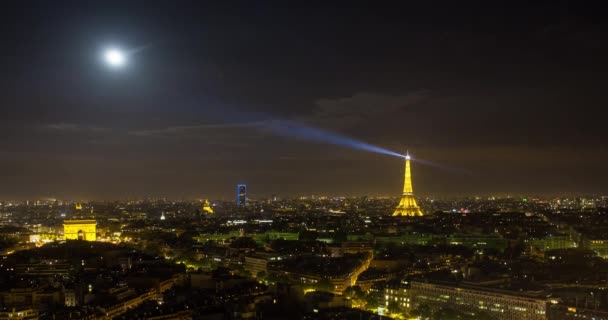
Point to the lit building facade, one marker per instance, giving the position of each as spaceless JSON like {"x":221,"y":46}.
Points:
{"x":19,"y":314}
{"x":70,"y":298}
{"x":257,"y":263}
{"x":501,"y":305}
{"x":407,"y":205}
{"x":561,"y":312}
{"x":596,"y":244}
{"x":241,"y":195}
{"x":552,"y":242}
{"x":395,"y":297}
{"x":80,"y":230}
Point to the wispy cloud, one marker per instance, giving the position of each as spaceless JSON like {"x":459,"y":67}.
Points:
{"x":355,"y":109}
{"x":74,"y":127}
{"x":195,"y":130}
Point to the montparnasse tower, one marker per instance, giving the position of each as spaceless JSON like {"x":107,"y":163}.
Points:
{"x":407,"y":206}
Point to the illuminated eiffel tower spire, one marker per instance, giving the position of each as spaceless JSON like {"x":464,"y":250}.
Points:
{"x":407,"y":206}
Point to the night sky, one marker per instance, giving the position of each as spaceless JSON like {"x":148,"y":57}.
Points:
{"x":503,"y":97}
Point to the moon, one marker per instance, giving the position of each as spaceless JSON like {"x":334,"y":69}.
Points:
{"x":115,"y":57}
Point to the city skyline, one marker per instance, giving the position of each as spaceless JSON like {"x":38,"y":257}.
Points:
{"x":284,"y":160}
{"x":265,"y":194}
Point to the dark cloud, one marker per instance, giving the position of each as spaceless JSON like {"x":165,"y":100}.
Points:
{"x":363,"y":107}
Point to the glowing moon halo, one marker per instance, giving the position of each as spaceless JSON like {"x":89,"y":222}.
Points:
{"x":115,"y":58}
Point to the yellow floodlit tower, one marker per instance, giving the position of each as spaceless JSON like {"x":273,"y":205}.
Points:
{"x":407,"y":206}
{"x":207,"y":207}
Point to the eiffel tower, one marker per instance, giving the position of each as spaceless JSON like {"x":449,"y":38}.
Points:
{"x":407,"y":206}
{"x":207,"y":207}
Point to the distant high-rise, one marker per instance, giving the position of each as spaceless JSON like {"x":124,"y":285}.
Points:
{"x":241,"y":195}
{"x":407,"y":206}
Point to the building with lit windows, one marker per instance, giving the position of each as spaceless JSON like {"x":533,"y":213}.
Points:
{"x":412,"y":238}
{"x":241,"y":195}
{"x":80,"y":230}
{"x":597,"y":244}
{"x":70,"y":297}
{"x":314,"y":272}
{"x":561,"y":312}
{"x":478,"y":241}
{"x":499,"y":304}
{"x":19,"y":314}
{"x":37,"y":298}
{"x":44,"y":268}
{"x":552,"y":242}
{"x":258,"y":262}
{"x":395,"y":297}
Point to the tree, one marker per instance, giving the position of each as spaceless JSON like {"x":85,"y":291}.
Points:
{"x":153,"y":248}
{"x":324,"y":285}
{"x":244,"y":243}
{"x":354,"y":292}
{"x":261,"y":275}
{"x":6,"y":242}
{"x":356,"y":295}
{"x":453,"y":314}
{"x":306,"y":235}
{"x":371,"y":300}
{"x":483,"y":316}
{"x":395,"y":307}
{"x":274,"y":277}
{"x":448,"y":314}
{"x":423,"y":311}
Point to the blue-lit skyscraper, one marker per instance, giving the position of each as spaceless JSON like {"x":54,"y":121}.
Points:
{"x":241,"y":195}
